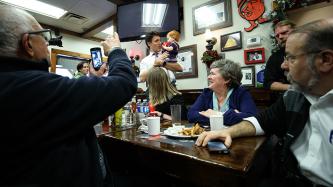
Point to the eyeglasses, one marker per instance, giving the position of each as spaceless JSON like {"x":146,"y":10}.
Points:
{"x":45,"y":33}
{"x":291,"y":58}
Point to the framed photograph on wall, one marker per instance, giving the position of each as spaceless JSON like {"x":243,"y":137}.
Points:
{"x":213,"y":15}
{"x":187,"y":57}
{"x":231,"y":41}
{"x":254,"y":56}
{"x":248,"y":78}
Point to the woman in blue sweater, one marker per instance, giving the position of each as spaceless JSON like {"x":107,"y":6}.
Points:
{"x":224,"y":94}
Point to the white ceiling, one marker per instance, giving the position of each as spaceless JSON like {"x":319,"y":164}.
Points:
{"x":99,"y":14}
{"x":95,"y":10}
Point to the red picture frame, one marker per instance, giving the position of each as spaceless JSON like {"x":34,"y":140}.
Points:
{"x":254,"y":56}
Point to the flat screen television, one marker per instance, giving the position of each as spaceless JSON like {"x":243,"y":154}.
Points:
{"x":131,"y":25}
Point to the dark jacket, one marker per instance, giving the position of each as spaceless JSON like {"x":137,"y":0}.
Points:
{"x":240,"y":99}
{"x":273,"y":70}
{"x":47,"y":136}
{"x":286,"y":119}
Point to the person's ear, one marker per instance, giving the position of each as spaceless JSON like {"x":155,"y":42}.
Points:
{"x":26,"y":45}
{"x":326,"y":64}
{"x":149,"y":44}
{"x":227,"y":82}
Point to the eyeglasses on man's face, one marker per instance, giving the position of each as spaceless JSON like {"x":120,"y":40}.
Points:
{"x":291,"y":58}
{"x":45,"y":33}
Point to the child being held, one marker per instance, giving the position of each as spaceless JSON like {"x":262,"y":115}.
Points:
{"x":171,"y":46}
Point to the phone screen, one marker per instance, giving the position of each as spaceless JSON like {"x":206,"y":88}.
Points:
{"x":96,"y":57}
{"x":217,"y":147}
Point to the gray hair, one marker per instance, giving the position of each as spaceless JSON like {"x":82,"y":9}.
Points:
{"x":229,"y":70}
{"x":319,"y":36}
{"x":13,"y":24}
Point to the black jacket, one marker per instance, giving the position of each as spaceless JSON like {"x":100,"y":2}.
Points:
{"x":273,"y":70}
{"x":47,"y":136}
{"x":175,"y":100}
{"x":286,"y":119}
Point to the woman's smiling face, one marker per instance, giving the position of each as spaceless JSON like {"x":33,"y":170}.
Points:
{"x":216,"y":81}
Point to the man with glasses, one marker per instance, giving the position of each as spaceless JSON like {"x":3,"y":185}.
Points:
{"x":47,"y":136}
{"x":274,"y":77}
{"x":302,"y":118}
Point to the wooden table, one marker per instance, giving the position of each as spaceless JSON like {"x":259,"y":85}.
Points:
{"x":128,"y":150}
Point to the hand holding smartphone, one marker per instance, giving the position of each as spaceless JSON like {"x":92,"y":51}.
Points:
{"x":96,"y":57}
{"x":217,"y":147}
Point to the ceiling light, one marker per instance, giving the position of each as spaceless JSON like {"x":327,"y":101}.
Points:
{"x":153,"y":14}
{"x":108,"y":30}
{"x":37,"y":7}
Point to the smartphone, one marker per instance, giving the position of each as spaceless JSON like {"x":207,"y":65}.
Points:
{"x":96,"y":57}
{"x":217,"y":147}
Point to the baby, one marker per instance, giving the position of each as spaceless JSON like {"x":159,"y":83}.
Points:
{"x":171,"y":46}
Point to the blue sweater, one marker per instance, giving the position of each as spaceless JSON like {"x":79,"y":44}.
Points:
{"x":240,"y":99}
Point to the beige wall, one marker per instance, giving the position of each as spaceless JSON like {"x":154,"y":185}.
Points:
{"x":76,"y":44}
{"x":263,"y":30}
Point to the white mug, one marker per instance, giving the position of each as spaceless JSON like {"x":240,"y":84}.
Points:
{"x":153,"y":124}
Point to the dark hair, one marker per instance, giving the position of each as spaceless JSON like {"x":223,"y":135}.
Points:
{"x":150,"y":37}
{"x":80,"y":65}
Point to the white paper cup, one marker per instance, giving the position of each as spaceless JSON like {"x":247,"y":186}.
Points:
{"x":153,"y":124}
{"x":216,"y":122}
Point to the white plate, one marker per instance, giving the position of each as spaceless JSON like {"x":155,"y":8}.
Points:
{"x":174,"y":132}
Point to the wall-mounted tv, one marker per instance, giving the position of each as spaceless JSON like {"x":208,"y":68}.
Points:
{"x":132,"y":25}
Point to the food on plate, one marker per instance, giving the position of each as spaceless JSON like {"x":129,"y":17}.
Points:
{"x":195,"y":130}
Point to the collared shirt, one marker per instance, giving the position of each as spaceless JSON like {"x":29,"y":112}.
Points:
{"x":313,"y":148}
{"x":148,"y":62}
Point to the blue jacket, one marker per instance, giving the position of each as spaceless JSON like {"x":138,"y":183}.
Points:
{"x":240,"y":99}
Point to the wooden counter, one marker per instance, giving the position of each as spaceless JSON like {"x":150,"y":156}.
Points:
{"x":129,"y":150}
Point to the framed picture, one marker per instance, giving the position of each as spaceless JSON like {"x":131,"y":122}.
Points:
{"x":231,"y":41}
{"x":254,"y":56}
{"x":213,"y":15}
{"x":187,"y":57}
{"x":248,"y":78}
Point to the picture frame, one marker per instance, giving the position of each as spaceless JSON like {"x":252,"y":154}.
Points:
{"x":187,"y":57}
{"x":231,"y":41}
{"x":254,"y":56}
{"x":213,"y":15}
{"x":248,"y":78}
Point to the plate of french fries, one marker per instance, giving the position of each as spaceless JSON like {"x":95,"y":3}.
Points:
{"x":184,"y":132}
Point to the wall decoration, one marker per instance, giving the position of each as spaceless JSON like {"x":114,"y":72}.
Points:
{"x":210,"y":55}
{"x":254,"y":56}
{"x":231,"y":41}
{"x":260,"y":75}
{"x":213,"y":15}
{"x":252,"y":11}
{"x":187,"y":57}
{"x":248,"y":78}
